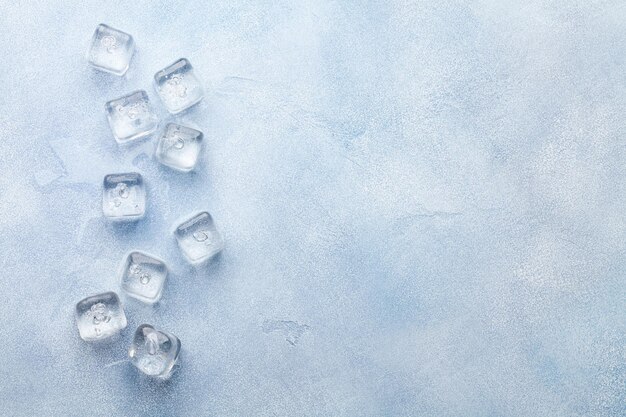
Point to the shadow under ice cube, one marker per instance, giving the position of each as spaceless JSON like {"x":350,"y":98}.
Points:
{"x":178,"y":86}
{"x":143,"y":276}
{"x":123,"y":196}
{"x":198,"y":238}
{"x":179,"y":147}
{"x":154,"y":352}
{"x":131,"y":116}
{"x":110,"y":50}
{"x":100,"y":316}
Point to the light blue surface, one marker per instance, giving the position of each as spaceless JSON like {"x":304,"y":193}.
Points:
{"x":423,"y":204}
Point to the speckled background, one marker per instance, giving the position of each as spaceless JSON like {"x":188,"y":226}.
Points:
{"x":423,"y":204}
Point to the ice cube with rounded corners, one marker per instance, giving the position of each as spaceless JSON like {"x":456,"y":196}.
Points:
{"x":198,"y":238}
{"x":110,"y":50}
{"x":100,"y":316}
{"x":179,"y":147}
{"x":154,"y":352}
{"x":123,"y":196}
{"x":178,"y":86}
{"x":143,"y":276}
{"x":131,"y":116}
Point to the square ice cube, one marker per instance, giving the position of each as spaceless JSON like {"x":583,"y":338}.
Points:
{"x":179,"y":147}
{"x":154,"y":352}
{"x":198,"y":238}
{"x":178,"y":87}
{"x":131,"y":117}
{"x":110,"y":50}
{"x":100,"y":316}
{"x":143,"y":276}
{"x":123,"y":196}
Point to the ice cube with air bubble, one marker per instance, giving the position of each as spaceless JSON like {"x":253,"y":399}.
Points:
{"x":110,"y":50}
{"x":198,"y":238}
{"x":178,"y":86}
{"x":131,"y":117}
{"x":123,"y":196}
{"x":100,"y":316}
{"x":179,"y":147}
{"x":154,"y":352}
{"x":143,"y":276}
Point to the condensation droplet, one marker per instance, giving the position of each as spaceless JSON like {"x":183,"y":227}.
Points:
{"x":201,"y":236}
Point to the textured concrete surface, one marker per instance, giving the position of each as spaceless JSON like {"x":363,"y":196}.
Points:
{"x":423,"y":204}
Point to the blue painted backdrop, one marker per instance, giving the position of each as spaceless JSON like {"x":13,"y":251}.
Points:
{"x":423,"y":204}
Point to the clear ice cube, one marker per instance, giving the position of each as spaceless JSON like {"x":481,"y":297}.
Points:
{"x":131,"y":116}
{"x":178,"y":86}
{"x":123,"y":196}
{"x":110,"y":50}
{"x":179,"y":147}
{"x":154,"y":352}
{"x":143,"y":276}
{"x":100,"y":316}
{"x":198,"y":238}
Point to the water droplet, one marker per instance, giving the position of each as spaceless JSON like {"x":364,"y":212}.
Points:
{"x":144,"y":278}
{"x":201,"y":235}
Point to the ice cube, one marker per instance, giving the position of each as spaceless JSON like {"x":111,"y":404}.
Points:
{"x":198,"y":238}
{"x":143,"y":276}
{"x":124,"y":196}
{"x":179,"y":147}
{"x":110,"y":50}
{"x":178,"y":87}
{"x":131,"y":116}
{"x":100,"y":316}
{"x":154,"y":352}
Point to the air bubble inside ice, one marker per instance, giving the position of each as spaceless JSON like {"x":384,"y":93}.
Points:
{"x":109,"y":42}
{"x":152,"y":344}
{"x":144,"y":278}
{"x":201,"y":235}
{"x":122,"y":190}
{"x":99,"y":313}
{"x":177,"y":142}
{"x":133,"y":112}
{"x":176,"y":86}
